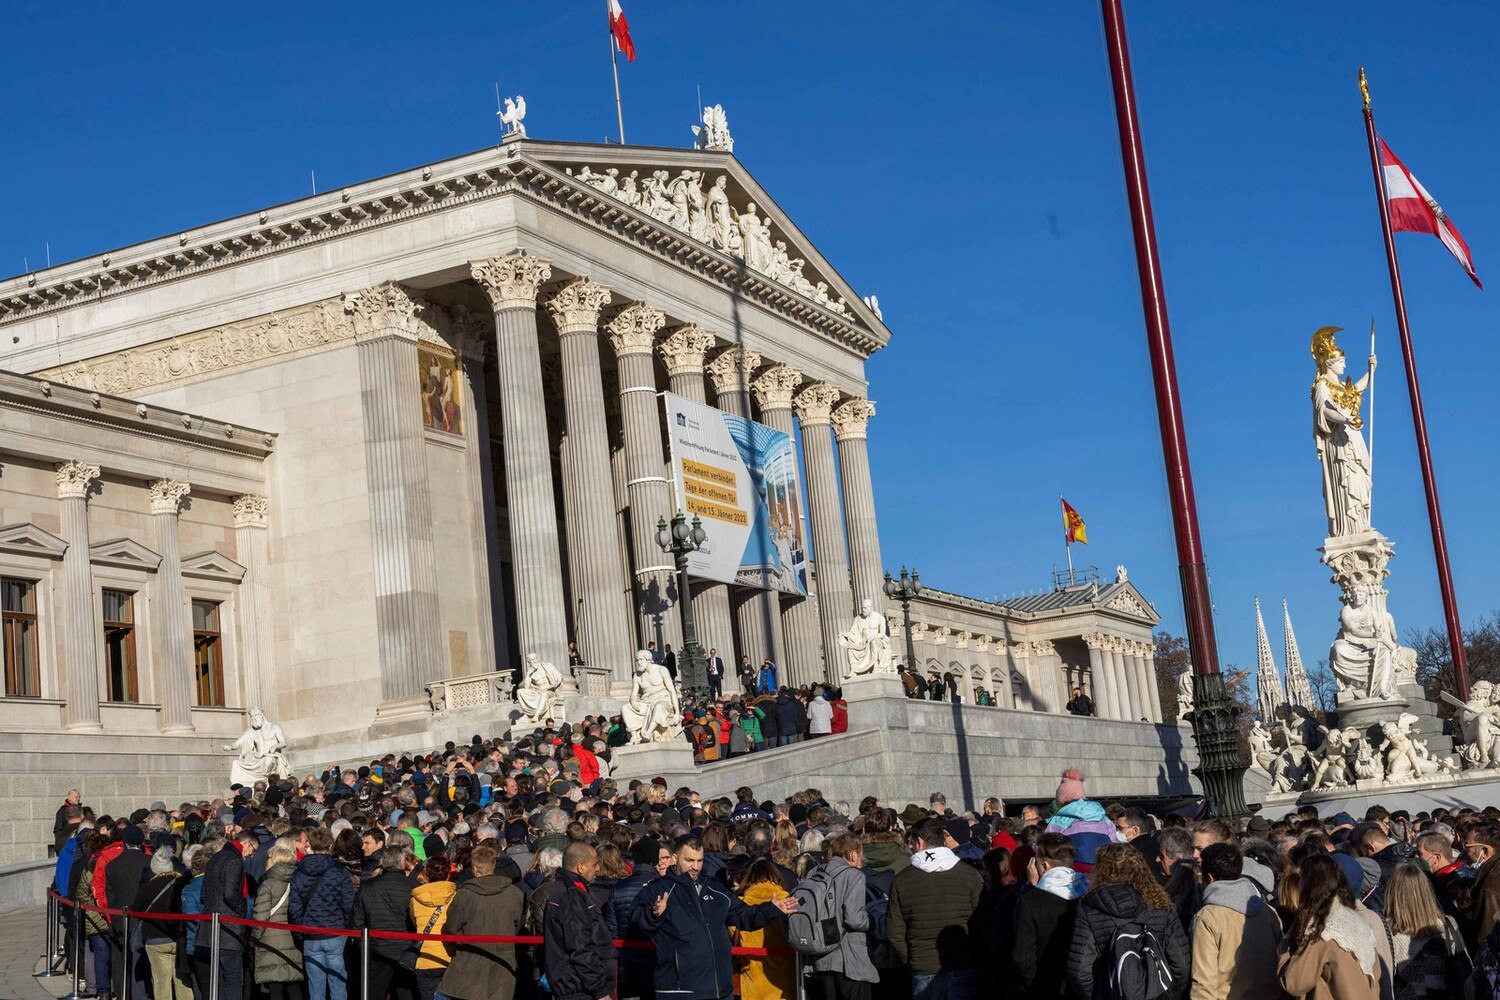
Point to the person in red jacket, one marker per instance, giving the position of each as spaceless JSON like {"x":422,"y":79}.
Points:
{"x":840,"y":713}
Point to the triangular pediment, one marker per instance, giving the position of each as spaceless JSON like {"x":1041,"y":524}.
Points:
{"x":213,"y":566}
{"x":706,"y":197}
{"x":1124,"y":598}
{"x":126,"y":553}
{"x":28,"y":540}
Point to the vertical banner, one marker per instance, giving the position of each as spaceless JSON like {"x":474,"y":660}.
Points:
{"x":740,"y":477}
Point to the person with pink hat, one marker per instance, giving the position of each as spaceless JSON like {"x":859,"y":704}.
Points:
{"x":1081,"y":820}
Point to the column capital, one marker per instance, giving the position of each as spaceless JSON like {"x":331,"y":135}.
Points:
{"x":850,"y":417}
{"x":512,"y":279}
{"x":75,"y":480}
{"x":1094,"y":640}
{"x":1043,"y":647}
{"x":575,"y":306}
{"x":960,"y":640}
{"x":731,"y":369}
{"x":250,"y":510}
{"x":167,"y":496}
{"x":918,"y":631}
{"x":473,"y":334}
{"x":774,"y":387}
{"x":384,"y":309}
{"x":685,"y":348}
{"x":815,"y":403}
{"x":633,"y":329}
{"x":940,"y":635}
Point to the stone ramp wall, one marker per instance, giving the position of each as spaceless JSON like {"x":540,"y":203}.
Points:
{"x":116,"y":775}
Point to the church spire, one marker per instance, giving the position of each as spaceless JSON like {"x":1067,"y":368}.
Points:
{"x":1268,"y":694}
{"x":1298,"y":690}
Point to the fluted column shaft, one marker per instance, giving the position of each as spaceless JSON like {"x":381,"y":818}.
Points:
{"x":489,"y":587}
{"x":604,"y":631}
{"x":1122,"y":683}
{"x":684,"y":350}
{"x":256,"y":616}
{"x":1021,"y":656}
{"x":632,"y":332}
{"x":1153,"y":690}
{"x":511,"y":281}
{"x":830,"y":557}
{"x":866,"y":571}
{"x":80,"y":650}
{"x":410,"y":638}
{"x":803,"y":653}
{"x":1133,"y":683}
{"x":1048,"y":677}
{"x":1100,"y":687}
{"x":171,"y":628}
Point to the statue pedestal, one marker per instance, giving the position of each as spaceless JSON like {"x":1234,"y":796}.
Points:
{"x":672,"y":760}
{"x":1366,"y":714}
{"x":863,"y":687}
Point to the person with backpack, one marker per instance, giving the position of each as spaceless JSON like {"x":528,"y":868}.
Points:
{"x":931,"y":907}
{"x":1127,"y":942}
{"x":1044,"y":918}
{"x":1235,"y":934}
{"x":834,"y":896}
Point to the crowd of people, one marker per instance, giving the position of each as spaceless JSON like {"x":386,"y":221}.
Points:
{"x":636,"y":890}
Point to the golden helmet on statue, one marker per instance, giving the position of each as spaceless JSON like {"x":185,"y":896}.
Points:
{"x":1324,"y":349}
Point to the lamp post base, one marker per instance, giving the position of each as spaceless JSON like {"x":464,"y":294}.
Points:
{"x":1221,"y":769}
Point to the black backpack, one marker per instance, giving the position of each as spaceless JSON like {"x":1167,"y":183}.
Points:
{"x":1137,"y":965}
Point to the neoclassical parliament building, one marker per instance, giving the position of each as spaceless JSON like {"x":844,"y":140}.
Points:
{"x":352,"y":457}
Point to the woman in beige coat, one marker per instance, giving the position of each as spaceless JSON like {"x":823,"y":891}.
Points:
{"x":1331,"y":951}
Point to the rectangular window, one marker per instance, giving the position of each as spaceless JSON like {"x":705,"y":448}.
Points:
{"x":18,"y":606}
{"x":119,"y":645}
{"x":208,"y":654}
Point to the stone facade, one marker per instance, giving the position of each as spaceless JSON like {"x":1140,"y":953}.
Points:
{"x":459,"y":459}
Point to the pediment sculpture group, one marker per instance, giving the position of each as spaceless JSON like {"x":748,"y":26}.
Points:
{"x":1301,"y":755}
{"x":705,"y":214}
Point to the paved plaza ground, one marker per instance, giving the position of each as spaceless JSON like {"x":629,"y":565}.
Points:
{"x":20,"y":957}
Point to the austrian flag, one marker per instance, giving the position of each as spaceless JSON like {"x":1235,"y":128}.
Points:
{"x":621,"y":28}
{"x":1413,"y":210}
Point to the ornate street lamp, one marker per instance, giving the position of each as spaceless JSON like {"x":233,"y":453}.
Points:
{"x":905,"y":590}
{"x":682,"y":539}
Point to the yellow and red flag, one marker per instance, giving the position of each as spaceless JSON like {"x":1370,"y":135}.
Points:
{"x":1073,"y":526}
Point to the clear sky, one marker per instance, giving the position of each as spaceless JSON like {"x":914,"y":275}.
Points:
{"x":957,"y":159}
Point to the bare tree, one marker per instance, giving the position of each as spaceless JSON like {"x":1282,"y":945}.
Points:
{"x":1171,"y":663}
{"x":1325,"y":687}
{"x":1435,"y":660}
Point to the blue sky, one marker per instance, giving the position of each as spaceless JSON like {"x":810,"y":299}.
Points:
{"x":960,"y":161}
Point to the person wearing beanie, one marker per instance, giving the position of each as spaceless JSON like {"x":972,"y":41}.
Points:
{"x":122,"y":882}
{"x":1081,"y":820}
{"x":637,"y":965}
{"x":959,"y":839}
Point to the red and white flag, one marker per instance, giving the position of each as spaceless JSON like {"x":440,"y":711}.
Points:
{"x":1413,"y":210}
{"x":621,"y":28}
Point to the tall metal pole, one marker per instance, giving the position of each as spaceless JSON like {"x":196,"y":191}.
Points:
{"x":1418,"y":415}
{"x":614,"y":67}
{"x":1221,"y":769}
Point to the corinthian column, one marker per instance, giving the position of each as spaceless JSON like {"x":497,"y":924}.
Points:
{"x":830,"y":559}
{"x":511,"y":281}
{"x":172,"y":649}
{"x":773,"y":390}
{"x":1128,"y":695}
{"x":1100,"y":687}
{"x":1138,"y":710}
{"x":257,"y":641}
{"x":1153,"y":690}
{"x":633,"y":332}
{"x":684,"y":350}
{"x":756,"y":611}
{"x":74,"y":481}
{"x":866,"y":572}
{"x":474,"y":339}
{"x":605,"y":635}
{"x":407,"y":619}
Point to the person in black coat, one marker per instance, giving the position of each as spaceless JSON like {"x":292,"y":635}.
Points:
{"x":224,"y":894}
{"x":1125,"y":896}
{"x":122,"y":882}
{"x":786,"y":718}
{"x":381,"y":905}
{"x":577,"y":951}
{"x":686,"y":919}
{"x":636,"y":964}
{"x":1045,"y":914}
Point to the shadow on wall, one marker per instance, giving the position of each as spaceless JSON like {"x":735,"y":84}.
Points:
{"x":1173,"y":773}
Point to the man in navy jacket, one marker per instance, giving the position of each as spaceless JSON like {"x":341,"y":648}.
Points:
{"x":686,"y":917}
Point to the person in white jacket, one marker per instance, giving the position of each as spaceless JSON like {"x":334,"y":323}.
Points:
{"x":819,"y":715}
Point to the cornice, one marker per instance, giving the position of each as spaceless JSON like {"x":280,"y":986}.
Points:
{"x":400,"y":197}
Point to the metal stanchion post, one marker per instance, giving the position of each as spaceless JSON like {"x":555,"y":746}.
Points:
{"x":78,"y":959}
{"x":364,"y":964}
{"x":127,"y":987}
{"x":213,"y":960}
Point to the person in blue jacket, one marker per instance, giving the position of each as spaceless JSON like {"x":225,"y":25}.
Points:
{"x":686,"y":918}
{"x":766,"y":683}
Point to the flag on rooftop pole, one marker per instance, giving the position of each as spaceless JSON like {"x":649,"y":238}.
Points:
{"x":1074,"y":529}
{"x":1413,"y":210}
{"x":621,"y":29}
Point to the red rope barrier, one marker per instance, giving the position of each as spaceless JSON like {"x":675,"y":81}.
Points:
{"x":382,"y":935}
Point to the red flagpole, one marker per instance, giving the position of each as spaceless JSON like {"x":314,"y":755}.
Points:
{"x":1418,"y":415}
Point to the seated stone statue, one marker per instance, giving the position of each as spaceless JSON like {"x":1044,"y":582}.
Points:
{"x":653,"y":713}
{"x":867,"y":643}
{"x":1363,"y":657}
{"x":537,"y":693}
{"x":260,"y":757}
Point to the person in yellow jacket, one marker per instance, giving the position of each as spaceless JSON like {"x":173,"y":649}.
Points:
{"x":764,"y":978}
{"x":430,"y":903}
